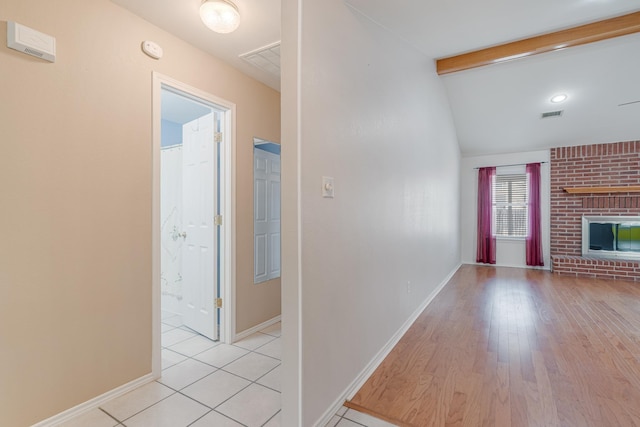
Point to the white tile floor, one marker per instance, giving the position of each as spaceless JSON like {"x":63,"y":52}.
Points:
{"x":207,"y":384}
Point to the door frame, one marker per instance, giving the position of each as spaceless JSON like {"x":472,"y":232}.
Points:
{"x":228,"y":200}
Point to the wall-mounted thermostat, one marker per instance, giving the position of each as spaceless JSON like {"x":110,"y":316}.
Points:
{"x":152,"y":49}
{"x":31,"y":42}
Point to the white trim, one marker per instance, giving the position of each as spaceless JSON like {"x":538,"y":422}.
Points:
{"x":228,"y":236}
{"x":229,"y":231}
{"x":512,"y":238}
{"x":95,"y":402}
{"x":156,"y":301}
{"x":256,"y":328}
{"x":530,"y":267}
{"x":368,"y":370}
{"x":291,"y":200}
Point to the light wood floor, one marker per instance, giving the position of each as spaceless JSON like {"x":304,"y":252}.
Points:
{"x":513,"y":347}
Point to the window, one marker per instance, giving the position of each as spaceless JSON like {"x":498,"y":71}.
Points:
{"x":510,"y":205}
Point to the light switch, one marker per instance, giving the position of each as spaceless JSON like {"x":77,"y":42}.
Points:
{"x":327,"y":187}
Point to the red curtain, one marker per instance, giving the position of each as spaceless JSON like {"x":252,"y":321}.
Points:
{"x":534,"y":239}
{"x":486,"y":251}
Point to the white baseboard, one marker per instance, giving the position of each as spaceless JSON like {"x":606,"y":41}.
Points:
{"x":545,"y":267}
{"x":255,"y":329}
{"x":368,"y":370}
{"x":94,"y":403}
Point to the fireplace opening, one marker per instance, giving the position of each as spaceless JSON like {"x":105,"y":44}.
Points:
{"x":611,"y":237}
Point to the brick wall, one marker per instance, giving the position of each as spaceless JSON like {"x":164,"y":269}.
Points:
{"x":597,"y":165}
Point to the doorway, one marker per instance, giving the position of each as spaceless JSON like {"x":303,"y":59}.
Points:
{"x":266,"y":207}
{"x":192,"y":211}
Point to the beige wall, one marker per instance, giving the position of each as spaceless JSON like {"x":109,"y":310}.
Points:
{"x":75,"y":187}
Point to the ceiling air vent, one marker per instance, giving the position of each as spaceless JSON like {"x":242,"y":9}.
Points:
{"x":266,"y":58}
{"x":552,"y":114}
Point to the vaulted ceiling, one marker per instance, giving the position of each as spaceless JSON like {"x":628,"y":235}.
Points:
{"x":496,"y":108}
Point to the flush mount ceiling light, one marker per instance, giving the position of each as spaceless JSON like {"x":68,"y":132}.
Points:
{"x":559,"y":98}
{"x":220,"y":16}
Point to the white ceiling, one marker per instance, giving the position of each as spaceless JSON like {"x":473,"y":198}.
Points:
{"x":180,"y":109}
{"x":496,"y":108}
{"x":259,"y":27}
{"x":441,"y":28}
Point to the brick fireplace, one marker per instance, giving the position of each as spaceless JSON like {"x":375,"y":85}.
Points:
{"x":600,"y":165}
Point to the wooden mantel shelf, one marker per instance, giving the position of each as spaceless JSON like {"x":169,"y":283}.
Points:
{"x":592,"y":190}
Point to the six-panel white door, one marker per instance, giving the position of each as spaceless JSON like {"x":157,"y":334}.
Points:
{"x":199,"y":210}
{"x":266,"y":215}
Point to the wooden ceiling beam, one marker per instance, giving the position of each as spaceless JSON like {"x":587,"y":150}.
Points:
{"x":589,"y":33}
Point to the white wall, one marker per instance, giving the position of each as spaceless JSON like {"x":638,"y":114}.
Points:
{"x":509,"y":253}
{"x":373,"y":115}
{"x":171,"y":133}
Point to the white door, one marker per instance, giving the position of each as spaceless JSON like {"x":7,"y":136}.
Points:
{"x":199,"y":255}
{"x":266,"y":215}
{"x":273,"y":231}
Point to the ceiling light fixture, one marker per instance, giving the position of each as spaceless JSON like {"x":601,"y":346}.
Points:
{"x":220,"y":16}
{"x":558,"y":98}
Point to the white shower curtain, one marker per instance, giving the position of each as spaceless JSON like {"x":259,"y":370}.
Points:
{"x":171,"y":240}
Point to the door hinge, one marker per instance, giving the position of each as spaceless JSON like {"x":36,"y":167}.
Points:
{"x":218,"y":302}
{"x":217,"y":220}
{"x":217,"y":137}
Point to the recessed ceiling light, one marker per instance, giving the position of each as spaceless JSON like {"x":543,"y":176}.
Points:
{"x":558,"y":98}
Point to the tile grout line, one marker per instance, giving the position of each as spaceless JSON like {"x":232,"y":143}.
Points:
{"x":217,"y":369}
{"x":217,"y":343}
{"x":355,"y":422}
{"x":224,"y":401}
{"x":222,"y":368}
{"x":140,"y":411}
{"x":219,"y":413}
{"x":111,"y":416}
{"x":199,"y":418}
{"x":272,"y":417}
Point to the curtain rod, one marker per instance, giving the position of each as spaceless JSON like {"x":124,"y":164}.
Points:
{"x":505,"y":166}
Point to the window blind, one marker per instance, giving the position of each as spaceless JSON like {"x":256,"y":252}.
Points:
{"x":510,"y":205}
